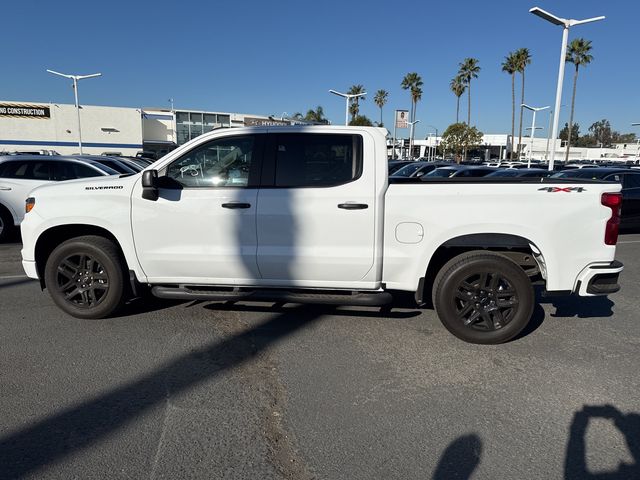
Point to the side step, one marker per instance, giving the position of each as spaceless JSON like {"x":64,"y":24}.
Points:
{"x":358,"y":299}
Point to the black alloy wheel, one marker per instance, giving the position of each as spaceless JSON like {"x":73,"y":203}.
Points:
{"x":85,"y":277}
{"x":486,"y":301}
{"x":82,"y":280}
{"x":483,"y":297}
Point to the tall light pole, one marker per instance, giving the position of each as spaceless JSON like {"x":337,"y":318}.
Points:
{"x":566,"y":24}
{"x":411,"y":137}
{"x":533,"y":128}
{"x":436,"y":142}
{"x":347,"y":98}
{"x":75,"y":79}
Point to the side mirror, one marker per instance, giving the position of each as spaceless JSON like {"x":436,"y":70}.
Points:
{"x":150,"y":185}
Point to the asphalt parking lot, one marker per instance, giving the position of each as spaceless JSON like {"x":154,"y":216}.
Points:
{"x":210,"y":390}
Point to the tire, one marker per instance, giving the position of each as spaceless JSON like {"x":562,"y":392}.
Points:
{"x":85,"y":277}
{"x":483,"y":297}
{"x":6,"y":225}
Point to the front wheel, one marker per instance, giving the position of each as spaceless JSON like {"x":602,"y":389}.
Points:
{"x":483,"y":297}
{"x":85,"y":277}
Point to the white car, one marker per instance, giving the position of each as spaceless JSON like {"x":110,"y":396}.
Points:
{"x":19,"y":174}
{"x":309,"y":215}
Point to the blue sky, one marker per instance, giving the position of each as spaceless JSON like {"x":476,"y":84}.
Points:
{"x":270,"y":57}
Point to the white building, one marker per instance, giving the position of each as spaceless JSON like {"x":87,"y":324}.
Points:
{"x":38,"y":127}
{"x":27,"y":126}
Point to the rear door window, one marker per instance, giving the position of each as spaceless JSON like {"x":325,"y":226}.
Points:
{"x":317,"y":160}
{"x":26,"y":170}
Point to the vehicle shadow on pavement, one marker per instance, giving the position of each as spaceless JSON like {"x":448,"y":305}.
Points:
{"x":145,"y":305}
{"x":14,"y":283}
{"x":580,"y":307}
{"x":329,"y":310}
{"x":77,"y":427}
{"x":460,"y":458}
{"x":575,"y":466}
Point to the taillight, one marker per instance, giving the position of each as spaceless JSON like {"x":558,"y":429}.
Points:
{"x":614,"y":202}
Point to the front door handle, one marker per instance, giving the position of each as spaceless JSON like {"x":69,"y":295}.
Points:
{"x":353,"y":206}
{"x":5,"y":188}
{"x":236,"y":205}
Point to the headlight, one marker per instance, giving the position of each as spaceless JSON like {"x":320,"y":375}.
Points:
{"x":29,"y":204}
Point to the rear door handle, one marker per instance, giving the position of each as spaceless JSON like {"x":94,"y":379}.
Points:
{"x":353,"y":206}
{"x":5,"y":188}
{"x":236,"y":205}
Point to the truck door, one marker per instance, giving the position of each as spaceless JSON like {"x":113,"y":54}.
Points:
{"x":316,"y":211}
{"x":202,"y":228}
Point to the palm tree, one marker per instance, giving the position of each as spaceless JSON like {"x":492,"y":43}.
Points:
{"x":578,"y":53}
{"x":413,"y":82}
{"x":354,"y":107}
{"x":523,"y":58}
{"x":458,"y":87}
{"x":469,"y":70}
{"x":380,"y":99}
{"x":510,"y":65}
{"x":316,"y":116}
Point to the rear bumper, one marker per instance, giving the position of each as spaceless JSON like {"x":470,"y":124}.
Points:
{"x":599,"y":279}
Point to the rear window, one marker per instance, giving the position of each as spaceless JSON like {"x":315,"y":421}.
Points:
{"x":26,"y":170}
{"x":70,"y":170}
{"x":312,"y":160}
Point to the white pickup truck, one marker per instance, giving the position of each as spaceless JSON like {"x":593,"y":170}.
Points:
{"x":309,"y":215}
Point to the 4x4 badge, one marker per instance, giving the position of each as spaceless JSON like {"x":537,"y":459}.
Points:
{"x":562,"y":189}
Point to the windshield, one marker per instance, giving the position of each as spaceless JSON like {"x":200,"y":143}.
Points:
{"x":442,"y":172}
{"x":408,"y":170}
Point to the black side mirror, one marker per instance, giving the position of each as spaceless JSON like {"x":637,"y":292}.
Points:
{"x":150,"y":185}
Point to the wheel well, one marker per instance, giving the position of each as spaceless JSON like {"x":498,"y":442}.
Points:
{"x":514,"y":247}
{"x":6,"y":210}
{"x":53,"y":237}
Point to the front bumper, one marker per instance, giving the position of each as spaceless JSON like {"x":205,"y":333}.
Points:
{"x":30,"y":269}
{"x":599,"y":279}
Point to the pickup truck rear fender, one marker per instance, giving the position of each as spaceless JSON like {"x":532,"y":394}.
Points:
{"x":49,"y":239}
{"x":519,"y":249}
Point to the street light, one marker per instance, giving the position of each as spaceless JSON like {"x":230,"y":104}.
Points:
{"x":436,"y":142}
{"x":75,"y":79}
{"x":411,"y":137}
{"x":533,"y":128}
{"x":566,"y":24}
{"x":637,"y":124}
{"x":347,"y":98}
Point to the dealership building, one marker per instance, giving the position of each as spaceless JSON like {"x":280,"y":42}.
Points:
{"x":53,"y":127}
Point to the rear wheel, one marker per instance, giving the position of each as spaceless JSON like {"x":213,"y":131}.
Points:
{"x":483,"y":297}
{"x":6,"y":224}
{"x":85,"y":277}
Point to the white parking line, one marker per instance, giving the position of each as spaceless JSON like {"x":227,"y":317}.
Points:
{"x":629,"y":241}
{"x":8,"y":277}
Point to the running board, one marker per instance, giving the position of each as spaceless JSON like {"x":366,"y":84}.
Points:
{"x":358,"y":299}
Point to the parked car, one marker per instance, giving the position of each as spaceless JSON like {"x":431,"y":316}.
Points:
{"x":459,"y":171}
{"x":630,"y":180}
{"x":115,"y":163}
{"x":579,"y":166}
{"x":395,"y":165}
{"x":520,"y":172}
{"x":418,"y":169}
{"x":20,"y":174}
